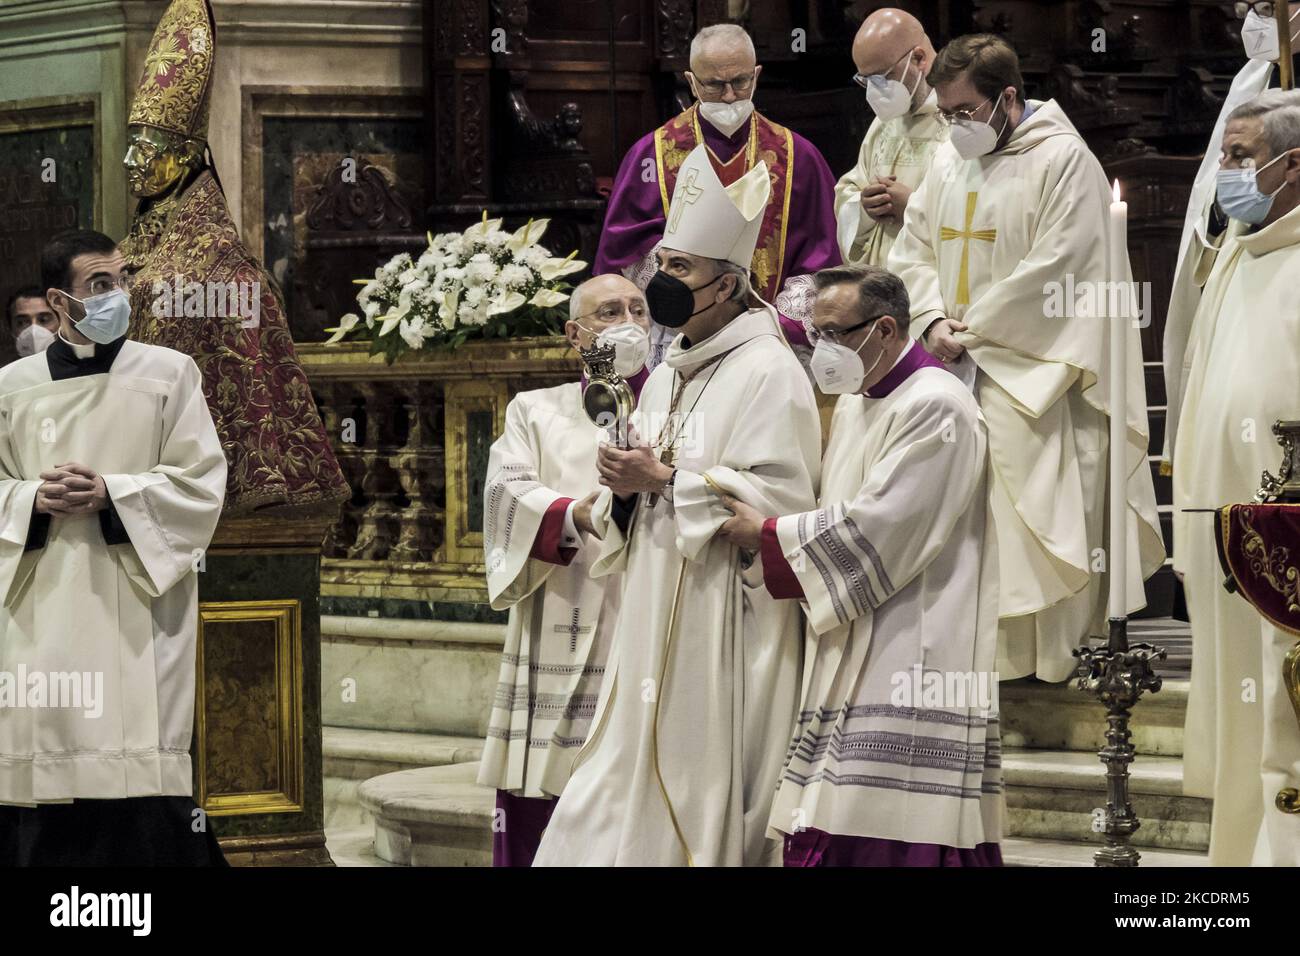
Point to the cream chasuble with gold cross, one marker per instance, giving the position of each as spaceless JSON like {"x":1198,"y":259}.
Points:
{"x":1014,"y":244}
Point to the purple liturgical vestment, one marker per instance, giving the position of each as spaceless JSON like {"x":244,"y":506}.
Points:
{"x":816,"y":848}
{"x":634,"y":224}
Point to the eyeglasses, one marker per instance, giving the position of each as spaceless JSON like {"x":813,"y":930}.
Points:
{"x":1266,"y":10}
{"x":862,"y":79}
{"x":948,"y":119}
{"x":739,"y":84}
{"x":611,"y":311}
{"x":101,"y":284}
{"x":836,"y":336}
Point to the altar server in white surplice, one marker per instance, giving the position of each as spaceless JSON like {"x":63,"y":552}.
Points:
{"x":895,"y":759}
{"x":892,"y":54}
{"x":1004,"y":254}
{"x":703,"y":681}
{"x":111,"y":483}
{"x":541,"y":483}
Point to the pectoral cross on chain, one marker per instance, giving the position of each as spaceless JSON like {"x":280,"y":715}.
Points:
{"x":666,"y":457}
{"x":966,"y":234}
{"x":688,"y":194}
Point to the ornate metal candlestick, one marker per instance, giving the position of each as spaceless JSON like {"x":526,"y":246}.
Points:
{"x":1118,"y":674}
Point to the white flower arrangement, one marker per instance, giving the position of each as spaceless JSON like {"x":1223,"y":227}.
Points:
{"x":482,"y":283}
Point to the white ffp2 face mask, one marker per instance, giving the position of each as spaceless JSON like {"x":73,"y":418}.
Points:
{"x":727,"y":117}
{"x":888,"y":98}
{"x":631,"y":346}
{"x":975,"y":138}
{"x":1259,"y":37}
{"x":33,"y":339}
{"x":838,"y":368}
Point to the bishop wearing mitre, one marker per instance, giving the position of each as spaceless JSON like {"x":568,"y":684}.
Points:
{"x":111,"y":484}
{"x":703,"y":678}
{"x":895,"y":759}
{"x":541,"y":483}
{"x":1004,"y":254}
{"x":892,"y":54}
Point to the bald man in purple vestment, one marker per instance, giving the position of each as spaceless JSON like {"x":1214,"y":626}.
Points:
{"x":798,"y":233}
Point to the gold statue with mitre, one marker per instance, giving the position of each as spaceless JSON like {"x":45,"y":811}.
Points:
{"x":198,"y":290}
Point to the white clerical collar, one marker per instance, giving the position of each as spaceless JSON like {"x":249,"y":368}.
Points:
{"x":81,"y":351}
{"x":745,"y":326}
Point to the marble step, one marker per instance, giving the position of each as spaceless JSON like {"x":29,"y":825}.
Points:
{"x":424,"y":677}
{"x":352,"y":756}
{"x":1017,"y":851}
{"x":439,"y":816}
{"x":353,"y":846}
{"x":431,"y":816}
{"x":1061,"y":717}
{"x":1054,"y":795}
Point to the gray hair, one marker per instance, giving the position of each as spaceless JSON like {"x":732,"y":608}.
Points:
{"x":720,"y":32}
{"x":880,"y":292}
{"x":1280,"y":110}
{"x":727,"y":267}
{"x":575,"y":310}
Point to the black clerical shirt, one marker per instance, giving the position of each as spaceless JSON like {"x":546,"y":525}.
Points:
{"x":64,"y":362}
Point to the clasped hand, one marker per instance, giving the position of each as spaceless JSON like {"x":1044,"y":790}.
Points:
{"x":745,"y":528}
{"x":71,"y":489}
{"x":632,"y":470}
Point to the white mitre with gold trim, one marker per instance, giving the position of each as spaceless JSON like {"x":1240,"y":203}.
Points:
{"x":706,"y":218}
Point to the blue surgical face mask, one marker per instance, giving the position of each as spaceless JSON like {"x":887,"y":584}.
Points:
{"x":107,"y":316}
{"x":1238,"y":193}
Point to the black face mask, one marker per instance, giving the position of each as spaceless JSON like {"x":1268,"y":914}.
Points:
{"x":671,"y":300}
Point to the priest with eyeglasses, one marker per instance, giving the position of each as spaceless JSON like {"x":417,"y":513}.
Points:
{"x":797,"y":234}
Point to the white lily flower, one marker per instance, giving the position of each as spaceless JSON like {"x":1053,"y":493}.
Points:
{"x":447,"y":306}
{"x":505,"y":303}
{"x":529,"y":234}
{"x":483,"y":228}
{"x":346,"y":325}
{"x":545,"y":298}
{"x":553,"y":268}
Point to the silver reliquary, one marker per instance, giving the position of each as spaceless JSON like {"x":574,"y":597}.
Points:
{"x":607,"y":399}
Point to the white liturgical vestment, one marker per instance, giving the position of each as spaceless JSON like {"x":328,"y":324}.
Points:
{"x":1242,"y":741}
{"x":110,"y":597}
{"x":703,"y":680}
{"x":1013,"y":244}
{"x":561,"y":619}
{"x":898,"y":736}
{"x":901,"y":147}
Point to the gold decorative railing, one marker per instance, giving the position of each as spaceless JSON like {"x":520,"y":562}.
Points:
{"x":413,"y":439}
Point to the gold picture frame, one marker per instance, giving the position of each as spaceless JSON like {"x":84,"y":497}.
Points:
{"x":287,"y":793}
{"x":464,"y":540}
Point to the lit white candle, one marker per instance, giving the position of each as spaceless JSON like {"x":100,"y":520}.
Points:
{"x":1118,"y":296}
